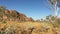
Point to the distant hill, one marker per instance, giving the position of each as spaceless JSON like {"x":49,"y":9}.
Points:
{"x":12,"y":15}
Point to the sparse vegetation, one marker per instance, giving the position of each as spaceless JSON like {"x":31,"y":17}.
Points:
{"x":28,"y":28}
{"x":12,"y":22}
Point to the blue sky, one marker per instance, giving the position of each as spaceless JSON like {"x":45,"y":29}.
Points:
{"x":31,"y":8}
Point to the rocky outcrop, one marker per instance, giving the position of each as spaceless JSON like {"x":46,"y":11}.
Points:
{"x":13,"y":15}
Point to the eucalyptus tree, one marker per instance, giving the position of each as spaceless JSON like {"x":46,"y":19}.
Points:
{"x":55,"y":5}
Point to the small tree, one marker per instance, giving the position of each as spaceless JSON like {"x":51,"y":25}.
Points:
{"x":2,"y":11}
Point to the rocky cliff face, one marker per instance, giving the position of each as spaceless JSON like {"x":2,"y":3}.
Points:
{"x":12,"y":15}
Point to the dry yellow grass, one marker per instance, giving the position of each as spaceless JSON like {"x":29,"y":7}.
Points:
{"x":26,"y":28}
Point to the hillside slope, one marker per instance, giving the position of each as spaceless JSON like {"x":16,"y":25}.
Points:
{"x":12,"y":15}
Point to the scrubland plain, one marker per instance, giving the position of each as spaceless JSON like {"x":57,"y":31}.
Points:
{"x":28,"y":28}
